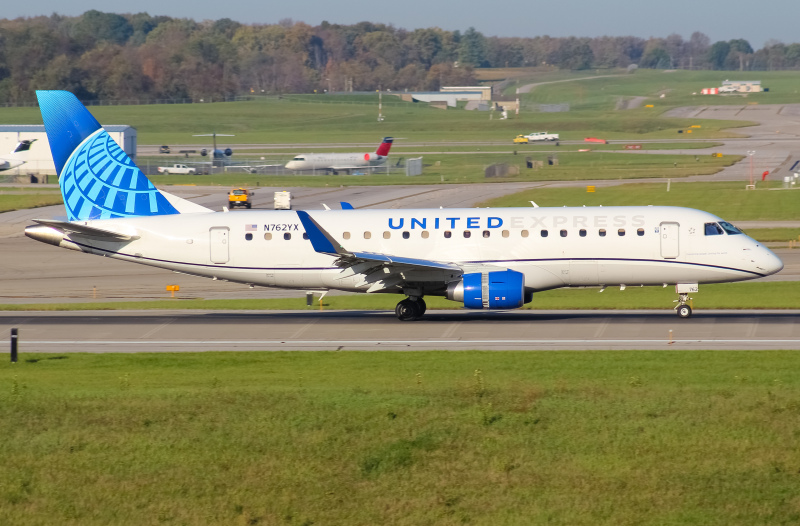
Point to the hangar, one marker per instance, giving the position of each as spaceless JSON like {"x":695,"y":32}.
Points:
{"x":38,"y":160}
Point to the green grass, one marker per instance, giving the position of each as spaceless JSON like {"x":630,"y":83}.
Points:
{"x":680,"y":88}
{"x":571,"y":438}
{"x":319,"y":120}
{"x":728,"y":200}
{"x":769,"y":235}
{"x":22,"y":201}
{"x":757,"y":295}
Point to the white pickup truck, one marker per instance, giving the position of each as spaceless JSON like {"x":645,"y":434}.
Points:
{"x":177,"y":169}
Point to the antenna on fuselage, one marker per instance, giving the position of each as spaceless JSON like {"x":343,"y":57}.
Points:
{"x":534,"y":204}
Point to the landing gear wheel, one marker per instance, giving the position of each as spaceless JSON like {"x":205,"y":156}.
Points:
{"x":684,"y":311}
{"x":409,"y":310}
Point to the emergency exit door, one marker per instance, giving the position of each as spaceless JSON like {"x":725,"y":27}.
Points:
{"x":670,"y":246}
{"x":218,"y":242}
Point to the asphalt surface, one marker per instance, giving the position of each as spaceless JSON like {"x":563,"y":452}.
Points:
{"x":176,"y":331}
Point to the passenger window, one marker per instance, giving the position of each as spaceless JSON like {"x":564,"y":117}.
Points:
{"x":387,"y":235}
{"x":248,"y":236}
{"x":406,"y":235}
{"x":346,"y":235}
{"x":524,"y":233}
{"x":467,"y":233}
{"x":713,"y":229}
{"x":506,"y":233}
{"x":425,"y":234}
{"x":563,"y":233}
{"x":367,"y":235}
{"x":543,"y":233}
{"x":582,"y":232}
{"x":486,"y":233}
{"x":602,"y":232}
{"x":287,"y":236}
{"x":447,"y":234}
{"x":621,"y":232}
{"x":640,"y":232}
{"x":268,"y":236}
{"x":305,"y":235}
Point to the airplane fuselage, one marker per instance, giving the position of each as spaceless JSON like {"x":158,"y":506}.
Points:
{"x":551,"y":247}
{"x":335,"y":161}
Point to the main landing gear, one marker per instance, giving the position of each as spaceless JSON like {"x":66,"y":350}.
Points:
{"x":410,"y":309}
{"x":682,"y":309}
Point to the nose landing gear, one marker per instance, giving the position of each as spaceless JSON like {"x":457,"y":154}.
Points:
{"x":410,"y":309}
{"x":682,"y":309}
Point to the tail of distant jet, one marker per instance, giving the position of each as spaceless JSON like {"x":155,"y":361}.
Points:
{"x":97,"y":178}
{"x":384,"y":147}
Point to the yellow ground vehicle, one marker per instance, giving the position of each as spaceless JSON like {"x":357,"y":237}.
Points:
{"x":521,"y":139}
{"x":239,"y":197}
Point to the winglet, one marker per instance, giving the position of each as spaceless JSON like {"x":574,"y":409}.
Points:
{"x":321,"y":240}
{"x":346,"y":205}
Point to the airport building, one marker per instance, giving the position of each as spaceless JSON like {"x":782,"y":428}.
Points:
{"x":38,"y":160}
{"x":742,"y":86}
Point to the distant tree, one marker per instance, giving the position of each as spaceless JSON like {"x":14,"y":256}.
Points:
{"x":96,"y":26}
{"x":575,"y":53}
{"x":718,"y":53}
{"x":472,"y":49}
{"x":697,"y":48}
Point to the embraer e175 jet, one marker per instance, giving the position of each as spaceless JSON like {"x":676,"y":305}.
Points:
{"x":484,"y":258}
{"x":342,"y":162}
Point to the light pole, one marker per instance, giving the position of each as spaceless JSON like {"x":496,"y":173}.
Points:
{"x":751,"y":153}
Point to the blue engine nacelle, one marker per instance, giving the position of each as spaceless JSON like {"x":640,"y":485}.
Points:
{"x":503,"y":289}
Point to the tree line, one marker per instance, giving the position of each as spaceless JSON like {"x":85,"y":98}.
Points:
{"x":107,"y":56}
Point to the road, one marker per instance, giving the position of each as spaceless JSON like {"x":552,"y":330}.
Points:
{"x":440,"y":330}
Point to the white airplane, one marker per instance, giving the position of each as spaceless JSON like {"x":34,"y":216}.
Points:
{"x":15,"y":157}
{"x":341,"y":162}
{"x":484,"y":258}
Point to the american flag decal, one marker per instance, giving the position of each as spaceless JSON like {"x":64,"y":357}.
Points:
{"x":250,"y":228}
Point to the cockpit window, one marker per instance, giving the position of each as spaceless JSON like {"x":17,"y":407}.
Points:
{"x":299,"y":159}
{"x":729,"y":228}
{"x":713,"y":229}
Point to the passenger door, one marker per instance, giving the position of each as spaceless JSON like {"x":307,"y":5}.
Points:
{"x":670,"y":246}
{"x":218,"y":243}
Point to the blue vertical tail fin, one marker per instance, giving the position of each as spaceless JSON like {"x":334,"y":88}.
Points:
{"x":97,"y":178}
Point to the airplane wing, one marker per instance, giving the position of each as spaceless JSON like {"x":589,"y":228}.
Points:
{"x":396,"y":269}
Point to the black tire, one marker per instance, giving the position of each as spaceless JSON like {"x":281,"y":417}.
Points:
{"x":684,"y":311}
{"x":407,"y":310}
{"x":421,"y":306}
{"x":248,"y":206}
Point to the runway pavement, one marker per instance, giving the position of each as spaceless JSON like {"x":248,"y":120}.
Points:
{"x":181,"y":331}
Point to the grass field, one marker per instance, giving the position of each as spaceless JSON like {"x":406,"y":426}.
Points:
{"x":33,"y":199}
{"x":325,"y":119}
{"x":748,"y":295}
{"x":573,"y":438}
{"x":728,"y":200}
{"x":680,"y":88}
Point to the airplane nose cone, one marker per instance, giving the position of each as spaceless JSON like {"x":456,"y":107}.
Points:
{"x":767,"y":262}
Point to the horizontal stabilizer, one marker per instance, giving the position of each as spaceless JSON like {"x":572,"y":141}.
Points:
{"x":85,"y":230}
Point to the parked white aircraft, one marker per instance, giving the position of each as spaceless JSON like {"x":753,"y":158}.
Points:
{"x":485,"y":258}
{"x":341,"y":162}
{"x":15,"y":159}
